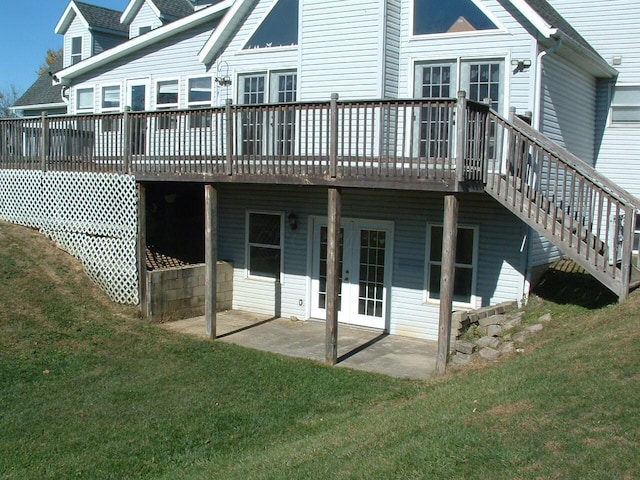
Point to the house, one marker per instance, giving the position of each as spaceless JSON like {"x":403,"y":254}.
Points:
{"x":276,"y":133}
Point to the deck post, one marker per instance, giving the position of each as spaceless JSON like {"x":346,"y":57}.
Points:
{"x":211,"y":258}
{"x":126,"y":140}
{"x":142,"y":249}
{"x":627,"y":245}
{"x":461,"y":134}
{"x":333,"y":137}
{"x":229,"y":145}
{"x":44,"y":141}
{"x":447,"y":275}
{"x":333,"y":275}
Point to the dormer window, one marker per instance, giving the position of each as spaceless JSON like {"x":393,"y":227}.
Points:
{"x":279,"y":28}
{"x":76,"y":50}
{"x":453,"y":16}
{"x":143,"y":30}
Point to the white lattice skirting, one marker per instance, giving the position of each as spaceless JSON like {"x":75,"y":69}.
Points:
{"x":93,"y":216}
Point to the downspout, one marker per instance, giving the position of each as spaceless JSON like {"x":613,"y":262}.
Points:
{"x":537,"y":114}
{"x":537,"y":107}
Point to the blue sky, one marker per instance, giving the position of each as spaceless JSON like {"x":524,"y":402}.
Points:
{"x":27,"y":33}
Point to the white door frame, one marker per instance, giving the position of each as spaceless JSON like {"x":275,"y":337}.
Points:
{"x":351,"y":265}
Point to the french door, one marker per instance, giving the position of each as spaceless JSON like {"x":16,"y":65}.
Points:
{"x":365,"y":253}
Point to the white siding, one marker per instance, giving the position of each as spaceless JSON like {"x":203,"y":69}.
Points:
{"x":145,"y":17}
{"x":341,"y":49}
{"x":393,"y":37}
{"x":569,"y":106}
{"x":611,"y":27}
{"x":77,"y":29}
{"x":500,"y":270}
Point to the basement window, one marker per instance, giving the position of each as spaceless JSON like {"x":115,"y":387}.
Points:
{"x":264,"y":245}
{"x":465,"y":268}
{"x":625,"y":105}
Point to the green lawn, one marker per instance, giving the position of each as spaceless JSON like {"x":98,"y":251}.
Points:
{"x":90,"y":390}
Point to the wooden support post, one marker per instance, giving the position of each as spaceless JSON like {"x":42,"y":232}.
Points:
{"x":333,"y":275}
{"x":229,"y":154}
{"x":627,"y":246}
{"x":211,"y":258}
{"x":142,"y":250}
{"x":126,"y":140}
{"x":461,"y":135}
{"x":447,"y":275}
{"x":333,"y":138}
{"x":44,"y":141}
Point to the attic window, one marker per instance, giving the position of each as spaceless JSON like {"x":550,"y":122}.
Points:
{"x":453,"y":16}
{"x":279,"y":28}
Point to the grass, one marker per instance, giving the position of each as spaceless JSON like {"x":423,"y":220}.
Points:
{"x":90,"y":390}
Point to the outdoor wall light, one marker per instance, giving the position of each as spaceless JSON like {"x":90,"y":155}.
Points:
{"x":293,"y":221}
{"x":520,"y":64}
{"x":223,"y":81}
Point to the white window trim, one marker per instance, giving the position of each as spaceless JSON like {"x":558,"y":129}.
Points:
{"x":474,"y":266}
{"x":81,"y":54}
{"x":247,"y":270}
{"x":415,"y":62}
{"x":198,"y":104}
{"x":610,"y":122}
{"x":166,"y":106}
{"x":110,"y":109}
{"x":269,"y":76}
{"x":90,"y":109}
{"x":501,"y":29}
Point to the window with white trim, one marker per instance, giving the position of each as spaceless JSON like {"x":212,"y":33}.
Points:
{"x":264,"y":245}
{"x":465,"y":263}
{"x":84,"y":100}
{"x":278,"y":29}
{"x":110,"y":102}
{"x":76,"y":50}
{"x":167,"y":99}
{"x":625,"y":105}
{"x":199,"y":95}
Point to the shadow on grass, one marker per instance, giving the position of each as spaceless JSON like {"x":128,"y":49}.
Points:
{"x":574,"y":288}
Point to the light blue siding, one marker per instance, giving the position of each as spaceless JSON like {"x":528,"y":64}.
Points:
{"x":500,"y":269}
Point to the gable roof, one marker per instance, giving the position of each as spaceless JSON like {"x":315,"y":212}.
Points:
{"x":43,"y":92}
{"x":165,"y":10}
{"x":93,"y":17}
{"x":149,"y":38}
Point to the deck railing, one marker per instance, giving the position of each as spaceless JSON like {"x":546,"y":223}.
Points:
{"x":401,"y":139}
{"x":581,"y":211}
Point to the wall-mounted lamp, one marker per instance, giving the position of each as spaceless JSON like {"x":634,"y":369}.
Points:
{"x":293,"y":221}
{"x":520,"y":65}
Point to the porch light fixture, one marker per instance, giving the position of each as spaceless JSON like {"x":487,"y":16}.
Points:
{"x":520,"y":65}
{"x":293,"y":221}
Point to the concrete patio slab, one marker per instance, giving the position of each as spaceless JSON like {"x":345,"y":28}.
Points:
{"x":358,"y":348}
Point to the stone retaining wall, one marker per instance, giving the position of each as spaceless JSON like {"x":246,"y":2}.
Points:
{"x":178,"y":293}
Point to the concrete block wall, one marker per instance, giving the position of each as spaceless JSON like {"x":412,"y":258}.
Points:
{"x":177,"y":293}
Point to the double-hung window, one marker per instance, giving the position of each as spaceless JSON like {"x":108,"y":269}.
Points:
{"x":465,"y":264}
{"x":199,"y":96}
{"x":84,"y":100}
{"x":264,"y":245}
{"x":625,"y":105}
{"x":167,"y":99}
{"x":110,"y":102}
{"x":76,"y":50}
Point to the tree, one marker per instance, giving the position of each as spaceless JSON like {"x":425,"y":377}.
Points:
{"x":50,"y":59}
{"x":8,"y":98}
